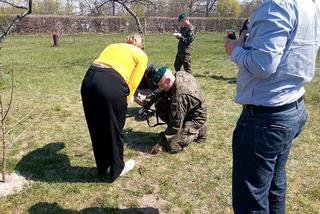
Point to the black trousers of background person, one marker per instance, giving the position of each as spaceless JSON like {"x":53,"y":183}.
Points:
{"x":104,"y":97}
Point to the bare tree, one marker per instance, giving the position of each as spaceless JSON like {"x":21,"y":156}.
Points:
{"x":94,"y":7}
{"x":209,"y":7}
{"x":201,"y":7}
{"x":191,"y":4}
{"x":152,"y":7}
{"x":5,"y":108}
{"x":247,"y":7}
{"x":127,"y":5}
{"x":194,"y":7}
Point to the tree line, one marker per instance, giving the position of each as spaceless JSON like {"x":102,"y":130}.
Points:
{"x":142,"y":8}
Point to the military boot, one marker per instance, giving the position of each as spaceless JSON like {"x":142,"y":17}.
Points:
{"x":202,"y":134}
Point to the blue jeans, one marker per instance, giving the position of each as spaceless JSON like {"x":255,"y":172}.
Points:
{"x":260,"y":146}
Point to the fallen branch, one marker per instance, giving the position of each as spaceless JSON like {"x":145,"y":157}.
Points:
{"x":21,"y":120}
{"x":23,"y":132}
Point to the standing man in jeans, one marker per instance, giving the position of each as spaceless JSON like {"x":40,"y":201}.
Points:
{"x":275,"y":61}
{"x":185,"y":36}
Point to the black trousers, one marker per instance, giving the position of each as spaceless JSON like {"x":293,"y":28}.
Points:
{"x":104,"y":97}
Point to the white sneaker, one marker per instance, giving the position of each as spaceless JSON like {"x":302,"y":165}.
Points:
{"x":128,"y":166}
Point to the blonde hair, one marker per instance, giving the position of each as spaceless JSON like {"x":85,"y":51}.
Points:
{"x":136,"y":39}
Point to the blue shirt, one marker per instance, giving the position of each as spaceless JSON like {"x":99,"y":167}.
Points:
{"x":279,"y":54}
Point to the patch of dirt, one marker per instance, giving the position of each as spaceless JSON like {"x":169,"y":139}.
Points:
{"x":14,"y":183}
{"x":156,"y":202}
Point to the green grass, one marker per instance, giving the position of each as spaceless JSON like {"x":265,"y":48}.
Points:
{"x":58,"y":156}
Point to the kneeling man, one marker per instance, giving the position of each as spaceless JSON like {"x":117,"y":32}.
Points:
{"x":185,"y":113}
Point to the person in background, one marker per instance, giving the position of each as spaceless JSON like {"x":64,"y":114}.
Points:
{"x":108,"y":85}
{"x":185,"y":112}
{"x":185,"y":36}
{"x":275,"y":61}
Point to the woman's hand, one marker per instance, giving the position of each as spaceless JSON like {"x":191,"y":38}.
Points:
{"x":140,"y":99}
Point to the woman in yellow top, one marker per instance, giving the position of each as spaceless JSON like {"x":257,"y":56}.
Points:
{"x":110,"y":81}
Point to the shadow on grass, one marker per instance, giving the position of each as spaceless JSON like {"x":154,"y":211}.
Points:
{"x":229,"y":80}
{"x":132,"y":112}
{"x":141,"y":141}
{"x":137,"y":140}
{"x":54,"y":208}
{"x":50,"y":165}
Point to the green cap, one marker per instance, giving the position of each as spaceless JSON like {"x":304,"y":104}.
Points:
{"x":158,"y":74}
{"x":182,"y":16}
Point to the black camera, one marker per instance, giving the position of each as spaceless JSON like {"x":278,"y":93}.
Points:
{"x":231,"y":34}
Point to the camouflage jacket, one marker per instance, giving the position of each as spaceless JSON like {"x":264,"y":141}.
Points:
{"x":187,"y":103}
{"x":187,"y":37}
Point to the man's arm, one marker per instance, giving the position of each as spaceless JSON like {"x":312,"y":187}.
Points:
{"x":189,"y":36}
{"x":269,"y":31}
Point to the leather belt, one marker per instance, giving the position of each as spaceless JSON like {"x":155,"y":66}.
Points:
{"x":271,"y":109}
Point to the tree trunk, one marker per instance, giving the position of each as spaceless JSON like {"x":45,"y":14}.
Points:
{"x":4,"y":162}
{"x":4,"y":146}
{"x":3,"y":113}
{"x":134,"y":16}
{"x":55,"y":37}
{"x":113,"y":8}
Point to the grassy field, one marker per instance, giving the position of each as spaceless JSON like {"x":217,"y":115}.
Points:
{"x":57,"y":157}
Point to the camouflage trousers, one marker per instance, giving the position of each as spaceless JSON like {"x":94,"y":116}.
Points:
{"x":183,"y":59}
{"x":175,"y":142}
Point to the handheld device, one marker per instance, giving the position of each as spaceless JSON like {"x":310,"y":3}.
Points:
{"x":231,"y":34}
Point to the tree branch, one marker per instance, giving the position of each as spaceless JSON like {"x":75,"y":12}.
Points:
{"x":14,"y":5}
{"x":99,"y":6}
{"x":11,"y":95}
{"x":125,"y":4}
{"x":16,"y":19}
{"x":132,"y":14}
{"x":21,"y":120}
{"x":1,"y":108}
{"x":24,"y":131}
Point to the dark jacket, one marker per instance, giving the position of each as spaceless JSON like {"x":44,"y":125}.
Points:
{"x":185,"y":43}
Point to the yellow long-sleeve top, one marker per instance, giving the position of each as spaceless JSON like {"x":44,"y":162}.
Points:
{"x":128,"y":60}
